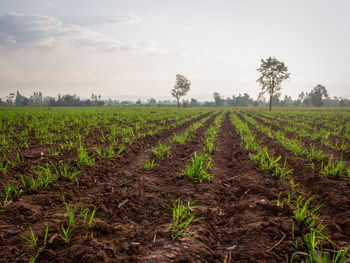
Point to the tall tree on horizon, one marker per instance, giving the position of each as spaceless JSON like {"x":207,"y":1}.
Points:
{"x":182,"y":86}
{"x":317,"y":95}
{"x":273,"y":72}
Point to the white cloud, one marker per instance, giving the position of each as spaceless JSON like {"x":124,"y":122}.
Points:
{"x":27,"y":31}
{"x":124,"y":19}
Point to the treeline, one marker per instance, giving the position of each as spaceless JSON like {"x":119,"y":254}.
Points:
{"x":38,"y":99}
{"x":318,"y":97}
{"x":311,"y":99}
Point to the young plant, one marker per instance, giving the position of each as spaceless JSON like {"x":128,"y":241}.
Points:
{"x":3,"y":166}
{"x":44,"y":177}
{"x":92,"y":216}
{"x":315,"y":253}
{"x":293,"y":185}
{"x":84,"y":157}
{"x":181,"y":218}
{"x":9,"y":189}
{"x":67,"y":231}
{"x":149,"y":165}
{"x":302,"y":213}
{"x":182,"y":138}
{"x":161,"y":151}
{"x":333,"y":168}
{"x":84,"y":215}
{"x":32,"y":239}
{"x":315,"y":155}
{"x":197,"y":169}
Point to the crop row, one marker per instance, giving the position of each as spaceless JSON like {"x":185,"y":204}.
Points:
{"x":41,"y":175}
{"x":334,"y":168}
{"x":311,"y":235}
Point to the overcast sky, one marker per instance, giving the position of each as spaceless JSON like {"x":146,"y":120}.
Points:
{"x":116,"y":48}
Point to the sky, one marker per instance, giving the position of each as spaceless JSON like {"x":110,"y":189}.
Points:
{"x":135,"y":48}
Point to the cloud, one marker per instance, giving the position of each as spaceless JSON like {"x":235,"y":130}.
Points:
{"x":27,"y":31}
{"x":124,"y":19}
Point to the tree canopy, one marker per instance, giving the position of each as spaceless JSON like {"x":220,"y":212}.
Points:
{"x":317,"y":94}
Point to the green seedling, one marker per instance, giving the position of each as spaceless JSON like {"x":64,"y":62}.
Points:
{"x":302,"y":213}
{"x":181,"y":218}
{"x":9,"y":189}
{"x":182,"y":138}
{"x":68,"y":171}
{"x":3,"y":166}
{"x":43,"y":179}
{"x":84,"y":157}
{"x":32,"y":239}
{"x":120,"y":150}
{"x":70,"y":213}
{"x":315,"y":155}
{"x":84,"y":215}
{"x":333,"y":168}
{"x":197,"y":169}
{"x":293,"y":185}
{"x":315,"y":253}
{"x":149,"y":164}
{"x":91,"y":221}
{"x":161,"y":151}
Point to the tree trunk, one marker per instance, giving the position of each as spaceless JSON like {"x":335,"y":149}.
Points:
{"x":178,"y":102}
{"x":271,"y":93}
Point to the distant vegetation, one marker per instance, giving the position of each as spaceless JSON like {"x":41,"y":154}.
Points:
{"x":317,"y":97}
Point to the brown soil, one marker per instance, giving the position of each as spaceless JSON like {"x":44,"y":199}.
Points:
{"x":330,"y":153}
{"x":239,"y":219}
{"x":333,"y":193}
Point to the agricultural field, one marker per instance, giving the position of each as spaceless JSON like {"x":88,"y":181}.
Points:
{"x":174,"y":185}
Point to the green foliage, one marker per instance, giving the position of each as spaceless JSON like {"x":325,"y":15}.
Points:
{"x":68,"y":227}
{"x":9,"y":190}
{"x":161,"y":150}
{"x":315,"y":253}
{"x":181,"y":218}
{"x":181,"y":138}
{"x":84,"y":157}
{"x":333,"y":168}
{"x":197,"y":169}
{"x":67,"y":170}
{"x":149,"y":164}
{"x":268,"y":163}
{"x":302,"y":212}
{"x":84,"y":212}
{"x":32,"y":239}
{"x":315,"y":155}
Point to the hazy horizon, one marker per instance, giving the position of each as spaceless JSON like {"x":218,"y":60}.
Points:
{"x":134,"y":48}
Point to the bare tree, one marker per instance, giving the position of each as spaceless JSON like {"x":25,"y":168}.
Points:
{"x":182,"y":86}
{"x":273,"y":72}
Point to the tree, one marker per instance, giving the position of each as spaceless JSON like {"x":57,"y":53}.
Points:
{"x":273,"y":72}
{"x":218,"y":100}
{"x":9,"y":98}
{"x":193,"y":102}
{"x":182,"y":86}
{"x":317,"y":94}
{"x":301,"y":96}
{"x":152,"y":101}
